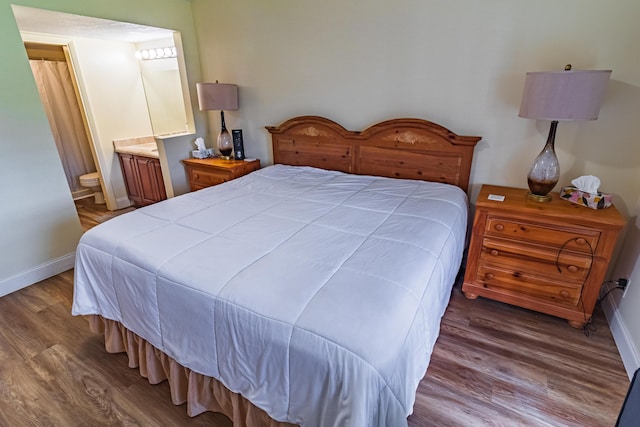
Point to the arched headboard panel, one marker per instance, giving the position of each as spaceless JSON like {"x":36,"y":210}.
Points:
{"x":398,"y":148}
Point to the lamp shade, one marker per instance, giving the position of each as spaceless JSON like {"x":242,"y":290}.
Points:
{"x":564,"y":95}
{"x":217,"y":96}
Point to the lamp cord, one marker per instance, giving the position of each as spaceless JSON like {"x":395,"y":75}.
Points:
{"x":587,"y":323}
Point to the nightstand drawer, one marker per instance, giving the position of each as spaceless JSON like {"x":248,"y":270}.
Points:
{"x":581,"y":240}
{"x":531,"y":284}
{"x":543,"y":261}
{"x":204,"y":173}
{"x":207,"y":178}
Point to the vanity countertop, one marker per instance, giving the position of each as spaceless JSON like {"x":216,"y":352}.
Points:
{"x":145,"y":146}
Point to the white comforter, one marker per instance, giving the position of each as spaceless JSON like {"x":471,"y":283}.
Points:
{"x":315,"y":294}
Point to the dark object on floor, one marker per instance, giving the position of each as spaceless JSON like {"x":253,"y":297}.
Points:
{"x":630,"y":412}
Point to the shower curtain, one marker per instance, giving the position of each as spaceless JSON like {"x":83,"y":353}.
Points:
{"x":61,"y":105}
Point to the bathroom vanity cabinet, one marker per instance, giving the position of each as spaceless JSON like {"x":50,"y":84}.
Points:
{"x":143,"y":179}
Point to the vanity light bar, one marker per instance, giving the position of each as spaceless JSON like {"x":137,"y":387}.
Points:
{"x":157,"y":53}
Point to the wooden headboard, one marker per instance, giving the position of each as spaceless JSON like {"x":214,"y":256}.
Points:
{"x":398,"y":148}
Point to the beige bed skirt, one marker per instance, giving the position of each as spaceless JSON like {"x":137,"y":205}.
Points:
{"x":199,"y":392}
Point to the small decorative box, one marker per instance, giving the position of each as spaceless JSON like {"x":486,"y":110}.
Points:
{"x":203,"y":154}
{"x":593,"y":201}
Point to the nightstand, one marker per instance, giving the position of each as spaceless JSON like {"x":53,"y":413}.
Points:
{"x":550,"y":257}
{"x":207,"y":172}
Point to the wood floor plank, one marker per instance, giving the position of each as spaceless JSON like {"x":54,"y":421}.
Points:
{"x":539,"y":407}
{"x":91,"y":214}
{"x":440,"y":404}
{"x":572,"y":354}
{"x":493,"y":362}
{"x":20,"y":330}
{"x":175,"y":415}
{"x":8,"y":353}
{"x":84,"y":394}
{"x":85,"y":345}
{"x":25,"y":401}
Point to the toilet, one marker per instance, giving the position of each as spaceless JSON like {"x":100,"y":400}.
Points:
{"x":92,"y":182}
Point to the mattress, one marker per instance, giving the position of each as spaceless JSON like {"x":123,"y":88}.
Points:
{"x":315,"y":294}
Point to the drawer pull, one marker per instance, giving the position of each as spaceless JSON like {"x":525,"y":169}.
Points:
{"x":580,"y":241}
{"x":572,"y":268}
{"x":196,"y":176}
{"x":494,"y":252}
{"x":488,"y":276}
{"x":564,"y":294}
{"x":499,"y":227}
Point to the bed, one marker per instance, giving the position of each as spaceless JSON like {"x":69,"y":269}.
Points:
{"x":308,"y":292}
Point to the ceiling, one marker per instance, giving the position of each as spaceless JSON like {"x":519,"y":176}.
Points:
{"x":65,"y":24}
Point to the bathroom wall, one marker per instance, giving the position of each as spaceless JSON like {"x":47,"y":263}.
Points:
{"x":113,"y":93}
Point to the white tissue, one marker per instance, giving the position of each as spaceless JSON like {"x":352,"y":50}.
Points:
{"x":587,"y":183}
{"x":200,"y":144}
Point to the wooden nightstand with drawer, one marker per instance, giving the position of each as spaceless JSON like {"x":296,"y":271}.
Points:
{"x":550,"y":257}
{"x":204,"y":173}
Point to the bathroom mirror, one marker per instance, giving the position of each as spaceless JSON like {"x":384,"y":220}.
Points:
{"x":167,"y":100}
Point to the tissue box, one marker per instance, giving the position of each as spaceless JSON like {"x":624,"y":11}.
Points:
{"x":593,"y":201}
{"x":203,"y":154}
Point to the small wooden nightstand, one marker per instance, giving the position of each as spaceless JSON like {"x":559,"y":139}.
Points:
{"x":550,"y":257}
{"x":207,"y":172}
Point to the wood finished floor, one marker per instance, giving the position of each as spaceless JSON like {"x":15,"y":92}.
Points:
{"x":493,"y":365}
{"x":91,"y":214}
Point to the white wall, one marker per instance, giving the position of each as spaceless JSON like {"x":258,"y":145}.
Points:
{"x":113,"y":94}
{"x":39,"y":227}
{"x":459,"y":63}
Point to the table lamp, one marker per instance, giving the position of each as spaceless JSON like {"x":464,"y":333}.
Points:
{"x":219,"y":96}
{"x":569,"y":95}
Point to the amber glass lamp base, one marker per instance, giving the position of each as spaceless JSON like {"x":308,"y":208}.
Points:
{"x":225,"y":143}
{"x":545,"y":171}
{"x":538,"y":198}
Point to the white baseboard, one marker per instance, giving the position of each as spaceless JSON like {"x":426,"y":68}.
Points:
{"x":123,"y":202}
{"x":626,"y":348}
{"x":41,"y":272}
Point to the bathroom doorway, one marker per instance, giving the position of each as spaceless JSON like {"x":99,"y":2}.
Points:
{"x":54,"y":78}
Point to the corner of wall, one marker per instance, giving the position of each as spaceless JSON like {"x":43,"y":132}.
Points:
{"x":621,"y":335}
{"x":122,"y":203}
